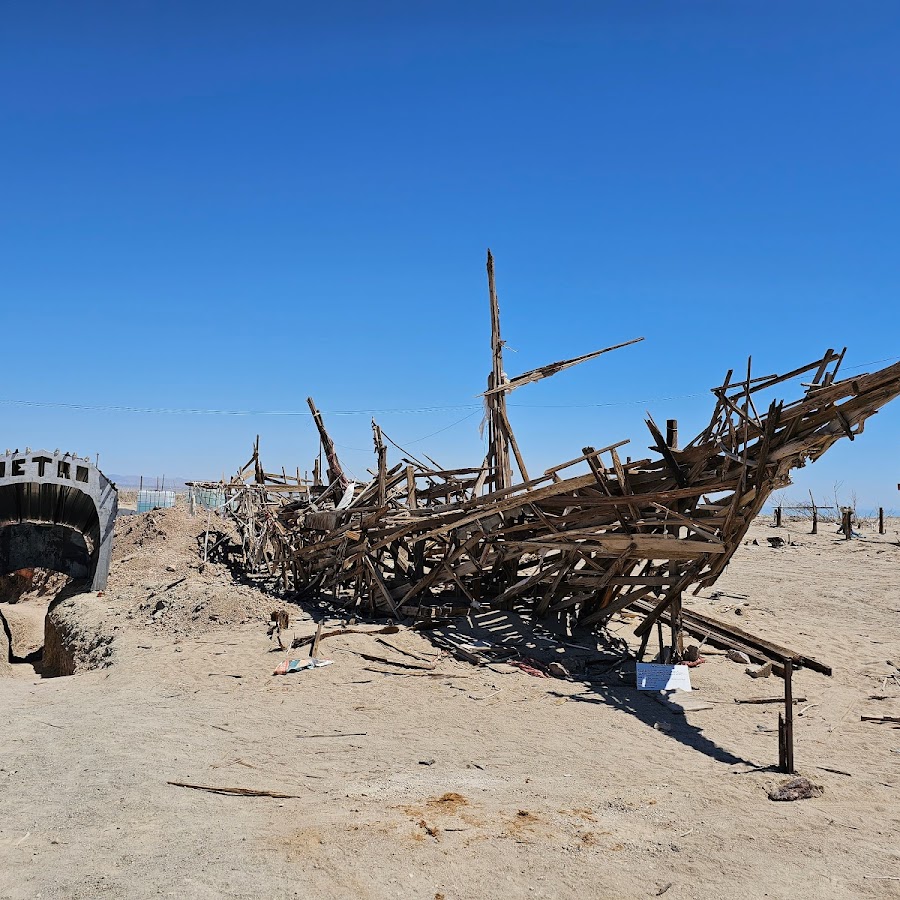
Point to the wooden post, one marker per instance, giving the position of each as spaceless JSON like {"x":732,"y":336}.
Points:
{"x":314,"y":647}
{"x":815,"y":512}
{"x":778,"y":517}
{"x":786,"y":722}
{"x":411,"y":500}
{"x":501,"y":477}
{"x":381,"y":456}
{"x":677,"y":632}
{"x":672,"y":434}
{"x":881,"y":520}
{"x":643,"y":648}
{"x":335,"y":472}
{"x":847,"y":523}
{"x":206,"y":540}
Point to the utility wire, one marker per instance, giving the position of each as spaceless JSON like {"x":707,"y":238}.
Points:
{"x":415,"y":410}
{"x":167,"y":410}
{"x":289,"y":413}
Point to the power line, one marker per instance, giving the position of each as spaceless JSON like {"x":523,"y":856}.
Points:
{"x":194,"y":411}
{"x":414,"y":410}
{"x":414,"y":440}
{"x":872,"y":362}
{"x":290,"y":413}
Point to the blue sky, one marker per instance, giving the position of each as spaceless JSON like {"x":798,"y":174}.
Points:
{"x":232,"y":206}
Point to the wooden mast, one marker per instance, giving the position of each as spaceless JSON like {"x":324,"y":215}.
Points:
{"x":498,"y":440}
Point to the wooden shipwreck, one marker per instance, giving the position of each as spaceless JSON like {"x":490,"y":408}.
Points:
{"x":583,"y":540}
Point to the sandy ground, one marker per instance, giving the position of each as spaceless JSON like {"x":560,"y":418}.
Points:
{"x":453,"y":781}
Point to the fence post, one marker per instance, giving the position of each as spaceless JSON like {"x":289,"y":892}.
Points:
{"x":778,"y":517}
{"x":847,"y":525}
{"x":881,"y":520}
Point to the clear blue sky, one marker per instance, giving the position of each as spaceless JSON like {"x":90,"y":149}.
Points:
{"x":231,"y":206}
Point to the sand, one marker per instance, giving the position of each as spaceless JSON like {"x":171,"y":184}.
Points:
{"x":476,"y":783}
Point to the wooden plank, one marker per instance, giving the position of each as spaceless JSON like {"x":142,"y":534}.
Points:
{"x":552,"y":368}
{"x":588,"y":453}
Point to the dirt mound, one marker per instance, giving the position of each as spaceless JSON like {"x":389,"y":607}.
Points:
{"x":159,"y":577}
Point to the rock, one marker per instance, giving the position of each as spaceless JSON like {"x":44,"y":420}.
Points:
{"x":427,"y":762}
{"x":738,"y":656}
{"x":776,"y":541}
{"x":692,"y":653}
{"x":558,"y":670}
{"x":796,"y":789}
{"x":763,"y":671}
{"x":170,"y":568}
{"x":738,"y":612}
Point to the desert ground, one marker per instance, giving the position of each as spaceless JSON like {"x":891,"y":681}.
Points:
{"x":410,"y":773}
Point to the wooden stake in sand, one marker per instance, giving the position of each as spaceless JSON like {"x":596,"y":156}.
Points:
{"x":786,"y":722}
{"x":314,"y":647}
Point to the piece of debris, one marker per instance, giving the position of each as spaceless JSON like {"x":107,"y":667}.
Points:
{"x":796,"y":789}
{"x":767,"y":700}
{"x":558,"y":670}
{"x":531,"y":667}
{"x":430,"y":830}
{"x":763,"y":671}
{"x":337,"y":734}
{"x":290,"y":666}
{"x":234,"y":791}
{"x":738,"y":656}
{"x":776,"y":542}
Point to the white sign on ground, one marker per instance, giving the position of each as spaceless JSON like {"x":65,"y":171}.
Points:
{"x":654,"y":677}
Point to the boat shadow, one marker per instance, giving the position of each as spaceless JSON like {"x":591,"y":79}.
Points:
{"x":600,"y":660}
